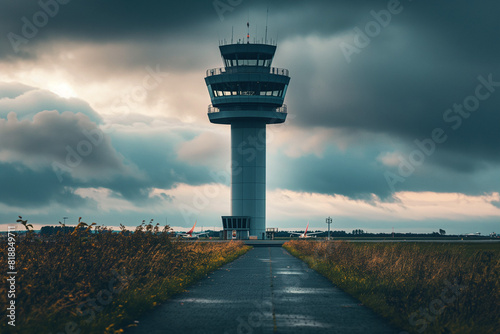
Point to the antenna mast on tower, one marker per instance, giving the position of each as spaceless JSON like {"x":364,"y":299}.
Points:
{"x":267,"y":20}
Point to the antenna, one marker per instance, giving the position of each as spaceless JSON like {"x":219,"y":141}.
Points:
{"x":232,"y":34}
{"x":267,"y":20}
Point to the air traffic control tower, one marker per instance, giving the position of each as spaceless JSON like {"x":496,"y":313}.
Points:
{"x":248,"y":94}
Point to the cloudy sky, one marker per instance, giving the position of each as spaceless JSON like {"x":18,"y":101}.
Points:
{"x":393,"y":113}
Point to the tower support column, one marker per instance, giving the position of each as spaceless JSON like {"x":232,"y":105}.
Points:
{"x":248,"y":175}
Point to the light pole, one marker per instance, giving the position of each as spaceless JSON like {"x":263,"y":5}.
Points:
{"x":329,"y":221}
{"x":64,"y":220}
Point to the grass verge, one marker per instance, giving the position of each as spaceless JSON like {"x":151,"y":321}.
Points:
{"x":101,"y":282}
{"x":420,"y":287}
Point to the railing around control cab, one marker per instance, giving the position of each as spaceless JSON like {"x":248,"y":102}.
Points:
{"x":222,"y":70}
{"x":212,"y":109}
{"x":283,"y":109}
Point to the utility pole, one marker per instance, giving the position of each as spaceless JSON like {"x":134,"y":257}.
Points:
{"x":329,"y":221}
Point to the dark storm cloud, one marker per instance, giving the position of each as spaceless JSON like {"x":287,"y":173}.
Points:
{"x":24,"y":187}
{"x":346,"y":174}
{"x":29,"y":150}
{"x":427,"y":59}
{"x":156,"y":156}
{"x":151,"y":20}
{"x":358,"y":174}
{"x":55,"y":137}
{"x":406,"y":106}
{"x":67,"y":150}
{"x":99,"y":21}
{"x":154,"y":161}
{"x":128,"y":19}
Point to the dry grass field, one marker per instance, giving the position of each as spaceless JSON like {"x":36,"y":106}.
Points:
{"x":420,"y":287}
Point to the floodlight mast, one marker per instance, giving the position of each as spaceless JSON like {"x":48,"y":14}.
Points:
{"x":329,"y":221}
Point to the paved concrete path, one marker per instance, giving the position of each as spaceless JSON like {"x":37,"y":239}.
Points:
{"x":266,"y":290}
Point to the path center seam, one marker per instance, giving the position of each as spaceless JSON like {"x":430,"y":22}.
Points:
{"x":275,"y":328}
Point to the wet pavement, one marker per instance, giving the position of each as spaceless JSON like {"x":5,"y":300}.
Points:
{"x":265,"y":291}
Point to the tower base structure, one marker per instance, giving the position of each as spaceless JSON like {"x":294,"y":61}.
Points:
{"x":236,"y":227}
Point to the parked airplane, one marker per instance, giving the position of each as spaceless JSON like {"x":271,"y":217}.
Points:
{"x":305,"y":235}
{"x":472,"y":234}
{"x":191,"y":234}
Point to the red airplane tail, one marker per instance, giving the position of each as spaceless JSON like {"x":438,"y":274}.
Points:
{"x":192,"y":229}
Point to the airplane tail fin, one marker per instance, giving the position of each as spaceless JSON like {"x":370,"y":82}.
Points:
{"x":192,"y":229}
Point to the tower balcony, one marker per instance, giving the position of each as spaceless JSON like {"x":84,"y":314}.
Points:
{"x":228,"y":115}
{"x":283,"y":109}
{"x":239,"y":101}
{"x":247,"y":69}
{"x":241,"y":85}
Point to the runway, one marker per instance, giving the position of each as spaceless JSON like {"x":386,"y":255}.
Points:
{"x":279,"y":243}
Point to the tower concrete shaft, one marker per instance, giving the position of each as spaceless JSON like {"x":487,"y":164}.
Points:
{"x":248,"y":179}
{"x":248,"y":94}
